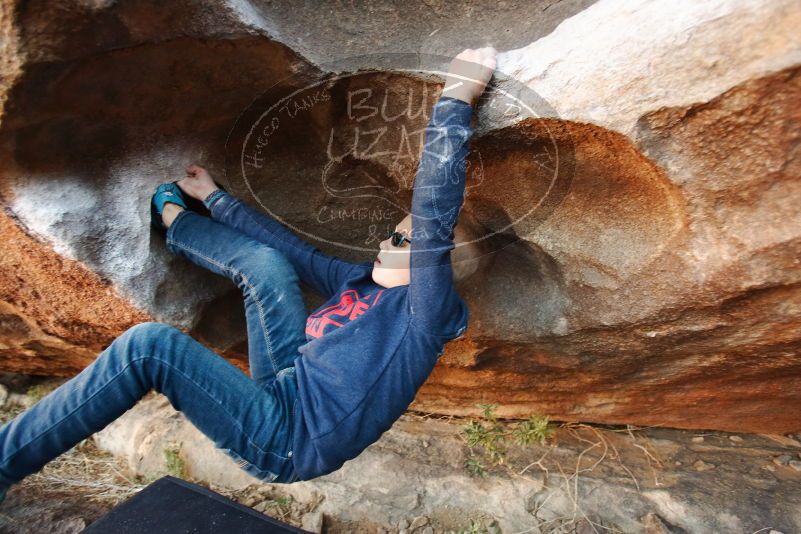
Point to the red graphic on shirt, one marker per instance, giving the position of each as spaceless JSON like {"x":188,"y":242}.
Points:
{"x":350,"y":306}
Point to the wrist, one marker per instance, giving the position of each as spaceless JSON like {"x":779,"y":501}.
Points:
{"x":460,"y":90}
{"x":467,"y":99}
{"x":212,"y":198}
{"x":460,"y":93}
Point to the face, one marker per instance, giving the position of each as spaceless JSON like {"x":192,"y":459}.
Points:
{"x":392,"y":266}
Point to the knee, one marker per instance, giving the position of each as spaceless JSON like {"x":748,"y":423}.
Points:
{"x":145,"y":336}
{"x":269,"y":268}
{"x":149,"y":330}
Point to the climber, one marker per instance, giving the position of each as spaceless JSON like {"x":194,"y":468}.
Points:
{"x":322,"y":387}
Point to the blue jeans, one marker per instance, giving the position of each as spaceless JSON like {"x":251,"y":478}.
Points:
{"x":249,"y":418}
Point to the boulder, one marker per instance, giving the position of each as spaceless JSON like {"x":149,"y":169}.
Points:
{"x":642,"y":200}
{"x":643,"y":481}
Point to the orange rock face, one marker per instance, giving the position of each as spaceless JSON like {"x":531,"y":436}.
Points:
{"x":55,"y":314}
{"x":661,"y":287}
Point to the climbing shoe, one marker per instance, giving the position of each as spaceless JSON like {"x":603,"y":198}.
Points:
{"x":169,"y":192}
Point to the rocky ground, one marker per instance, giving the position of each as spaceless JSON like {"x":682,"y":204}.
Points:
{"x":585,"y":479}
{"x":86,"y":482}
{"x":82,"y":485}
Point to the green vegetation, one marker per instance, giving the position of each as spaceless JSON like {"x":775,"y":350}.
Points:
{"x":492,"y":435}
{"x":283,"y":500}
{"x":175,"y":464}
{"x":280,"y":506}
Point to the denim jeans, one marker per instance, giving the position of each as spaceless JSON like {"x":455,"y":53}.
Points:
{"x":249,"y":418}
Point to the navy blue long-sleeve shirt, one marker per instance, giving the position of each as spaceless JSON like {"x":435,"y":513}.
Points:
{"x":370,"y":348}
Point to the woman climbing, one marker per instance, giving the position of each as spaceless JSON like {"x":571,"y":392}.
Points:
{"x":323,"y":387}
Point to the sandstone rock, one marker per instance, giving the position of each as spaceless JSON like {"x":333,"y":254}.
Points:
{"x":313,"y":522}
{"x":20,"y":399}
{"x":702,"y":259}
{"x":782,"y":459}
{"x":418,"y":522}
{"x":657,"y":281}
{"x":655,"y":525}
{"x":701,"y":465}
{"x":740,"y":497}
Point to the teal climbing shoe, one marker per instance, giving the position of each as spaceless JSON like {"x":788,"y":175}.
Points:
{"x":164,"y":193}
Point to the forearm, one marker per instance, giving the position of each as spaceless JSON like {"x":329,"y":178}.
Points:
{"x":440,"y":181}
{"x":436,"y":202}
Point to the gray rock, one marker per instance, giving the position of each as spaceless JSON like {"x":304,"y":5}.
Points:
{"x":20,"y":399}
{"x":313,"y":522}
{"x":795,"y":464}
{"x":783,"y":459}
{"x":374,"y":486}
{"x":701,"y":465}
{"x":418,"y":522}
{"x":654,"y":524}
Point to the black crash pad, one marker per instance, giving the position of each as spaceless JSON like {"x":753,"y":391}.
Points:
{"x":174,"y":506}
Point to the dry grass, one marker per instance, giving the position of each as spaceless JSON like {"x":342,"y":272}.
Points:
{"x":84,"y":469}
{"x":95,"y":474}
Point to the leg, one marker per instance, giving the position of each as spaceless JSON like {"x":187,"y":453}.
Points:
{"x":276,"y":314}
{"x":249,"y":421}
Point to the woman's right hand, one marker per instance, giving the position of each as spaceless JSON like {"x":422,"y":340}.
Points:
{"x":198,"y":182}
{"x":469,"y":73}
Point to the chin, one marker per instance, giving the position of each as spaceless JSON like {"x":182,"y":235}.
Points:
{"x":378,"y":276}
{"x":388,"y":277}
